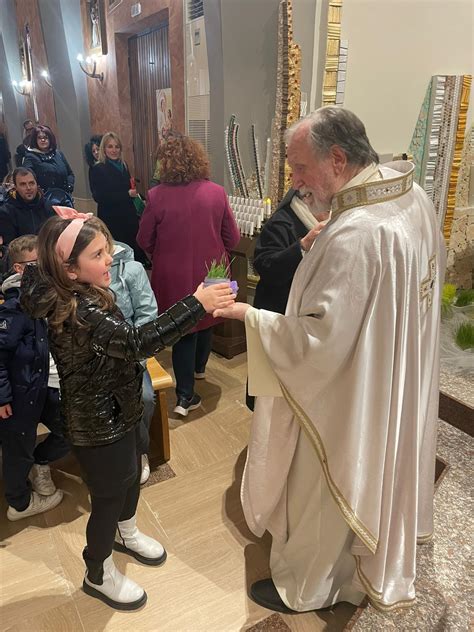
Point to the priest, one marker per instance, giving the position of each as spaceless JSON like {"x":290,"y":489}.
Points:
{"x":341,"y":458}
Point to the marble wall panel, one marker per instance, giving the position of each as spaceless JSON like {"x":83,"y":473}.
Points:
{"x":27,"y":13}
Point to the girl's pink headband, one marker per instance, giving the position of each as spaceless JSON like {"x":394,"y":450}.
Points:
{"x":68,"y":237}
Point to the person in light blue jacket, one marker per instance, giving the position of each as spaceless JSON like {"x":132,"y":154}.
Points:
{"x":137,"y":302}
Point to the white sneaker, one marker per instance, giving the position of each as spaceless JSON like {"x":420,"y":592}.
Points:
{"x":38,"y":504}
{"x":140,"y":546}
{"x":145,"y":475}
{"x":41,"y":481}
{"x":116,"y":590}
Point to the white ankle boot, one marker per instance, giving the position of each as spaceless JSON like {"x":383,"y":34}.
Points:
{"x":143,"y":548}
{"x":111,"y":587}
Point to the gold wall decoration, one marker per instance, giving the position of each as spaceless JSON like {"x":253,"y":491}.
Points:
{"x":332,"y":52}
{"x":467,"y":162}
{"x":288,"y":99}
{"x":458,"y":147}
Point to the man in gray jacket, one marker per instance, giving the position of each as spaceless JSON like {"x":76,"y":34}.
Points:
{"x":137,"y":303}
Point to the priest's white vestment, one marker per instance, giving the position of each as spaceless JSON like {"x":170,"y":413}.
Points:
{"x":341,"y":459}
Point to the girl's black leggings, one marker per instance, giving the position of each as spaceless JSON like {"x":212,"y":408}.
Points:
{"x":112,"y":474}
{"x":105,"y":513}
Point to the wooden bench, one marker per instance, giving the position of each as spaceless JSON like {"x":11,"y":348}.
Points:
{"x":159,"y":427}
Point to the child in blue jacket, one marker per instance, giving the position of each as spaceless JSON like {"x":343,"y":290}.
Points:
{"x":29,"y":393}
{"x":137,"y":302}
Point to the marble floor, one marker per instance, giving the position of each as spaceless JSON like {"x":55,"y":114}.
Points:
{"x":193,"y":506}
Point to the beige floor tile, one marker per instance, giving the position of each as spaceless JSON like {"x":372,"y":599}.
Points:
{"x":196,"y":502}
{"x":200,"y":444}
{"x":32,"y":578}
{"x":63,"y":618}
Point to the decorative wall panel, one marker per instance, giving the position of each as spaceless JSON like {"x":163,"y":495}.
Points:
{"x":332,"y":52}
{"x":437,"y":142}
{"x":288,"y":96}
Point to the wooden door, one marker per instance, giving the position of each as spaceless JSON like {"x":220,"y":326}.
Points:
{"x":149,"y":66}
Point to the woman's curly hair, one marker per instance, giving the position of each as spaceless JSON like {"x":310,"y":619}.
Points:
{"x":182,"y":160}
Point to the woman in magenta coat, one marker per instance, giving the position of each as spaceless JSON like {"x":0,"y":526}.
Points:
{"x":186,"y":224}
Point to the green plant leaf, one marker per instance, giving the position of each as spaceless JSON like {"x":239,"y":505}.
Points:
{"x":218,"y":269}
{"x":449,"y":294}
{"x":465,"y":297}
{"x":447,"y":299}
{"x":465,"y":336}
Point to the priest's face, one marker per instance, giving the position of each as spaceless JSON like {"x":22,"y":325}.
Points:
{"x":314,"y":176}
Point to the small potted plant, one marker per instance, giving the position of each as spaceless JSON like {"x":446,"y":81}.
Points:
{"x":219,"y":272}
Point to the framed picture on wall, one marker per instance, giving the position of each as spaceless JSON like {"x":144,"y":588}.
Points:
{"x":164,"y":107}
{"x":96,"y":27}
{"x":113,"y":4}
{"x":25,"y":54}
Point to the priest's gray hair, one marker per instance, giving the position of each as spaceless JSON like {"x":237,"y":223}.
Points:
{"x":330,"y":126}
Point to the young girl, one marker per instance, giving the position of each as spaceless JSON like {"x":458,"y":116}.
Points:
{"x":98,"y":357}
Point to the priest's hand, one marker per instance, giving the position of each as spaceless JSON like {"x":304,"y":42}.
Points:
{"x":215,"y":296}
{"x":236,"y":311}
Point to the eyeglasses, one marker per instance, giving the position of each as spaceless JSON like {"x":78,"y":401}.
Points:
{"x":29,"y":261}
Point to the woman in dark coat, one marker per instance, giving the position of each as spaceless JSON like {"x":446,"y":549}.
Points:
{"x":91,"y":151}
{"x":50,"y":166}
{"x":111,"y":189}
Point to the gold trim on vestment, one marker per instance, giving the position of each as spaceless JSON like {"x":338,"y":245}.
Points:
{"x":354,"y":523}
{"x":424,"y":539}
{"x":375,"y":596}
{"x":373,"y":192}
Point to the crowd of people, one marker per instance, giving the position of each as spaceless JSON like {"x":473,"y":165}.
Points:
{"x":102,"y":411}
{"x":342,"y":354}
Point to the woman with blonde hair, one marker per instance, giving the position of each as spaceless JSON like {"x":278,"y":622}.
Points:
{"x":186,"y":224}
{"x":111,"y":189}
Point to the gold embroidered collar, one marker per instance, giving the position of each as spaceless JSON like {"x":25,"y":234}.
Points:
{"x":376,"y":191}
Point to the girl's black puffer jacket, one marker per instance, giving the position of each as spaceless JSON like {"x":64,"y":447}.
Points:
{"x":99,"y":364}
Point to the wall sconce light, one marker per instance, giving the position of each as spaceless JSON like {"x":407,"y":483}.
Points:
{"x":90,"y":67}
{"x":23,"y":87}
{"x":47,"y":80}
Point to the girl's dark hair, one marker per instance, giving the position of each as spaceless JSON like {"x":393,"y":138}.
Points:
{"x":45,"y":130}
{"x":94,"y":140}
{"x":63,"y":292}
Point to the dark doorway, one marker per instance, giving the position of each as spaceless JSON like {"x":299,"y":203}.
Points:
{"x":149,"y":65}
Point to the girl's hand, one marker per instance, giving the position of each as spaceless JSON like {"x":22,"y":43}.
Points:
{"x":132,"y":192}
{"x":215,"y":296}
{"x":236,"y":311}
{"x":5,"y":411}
